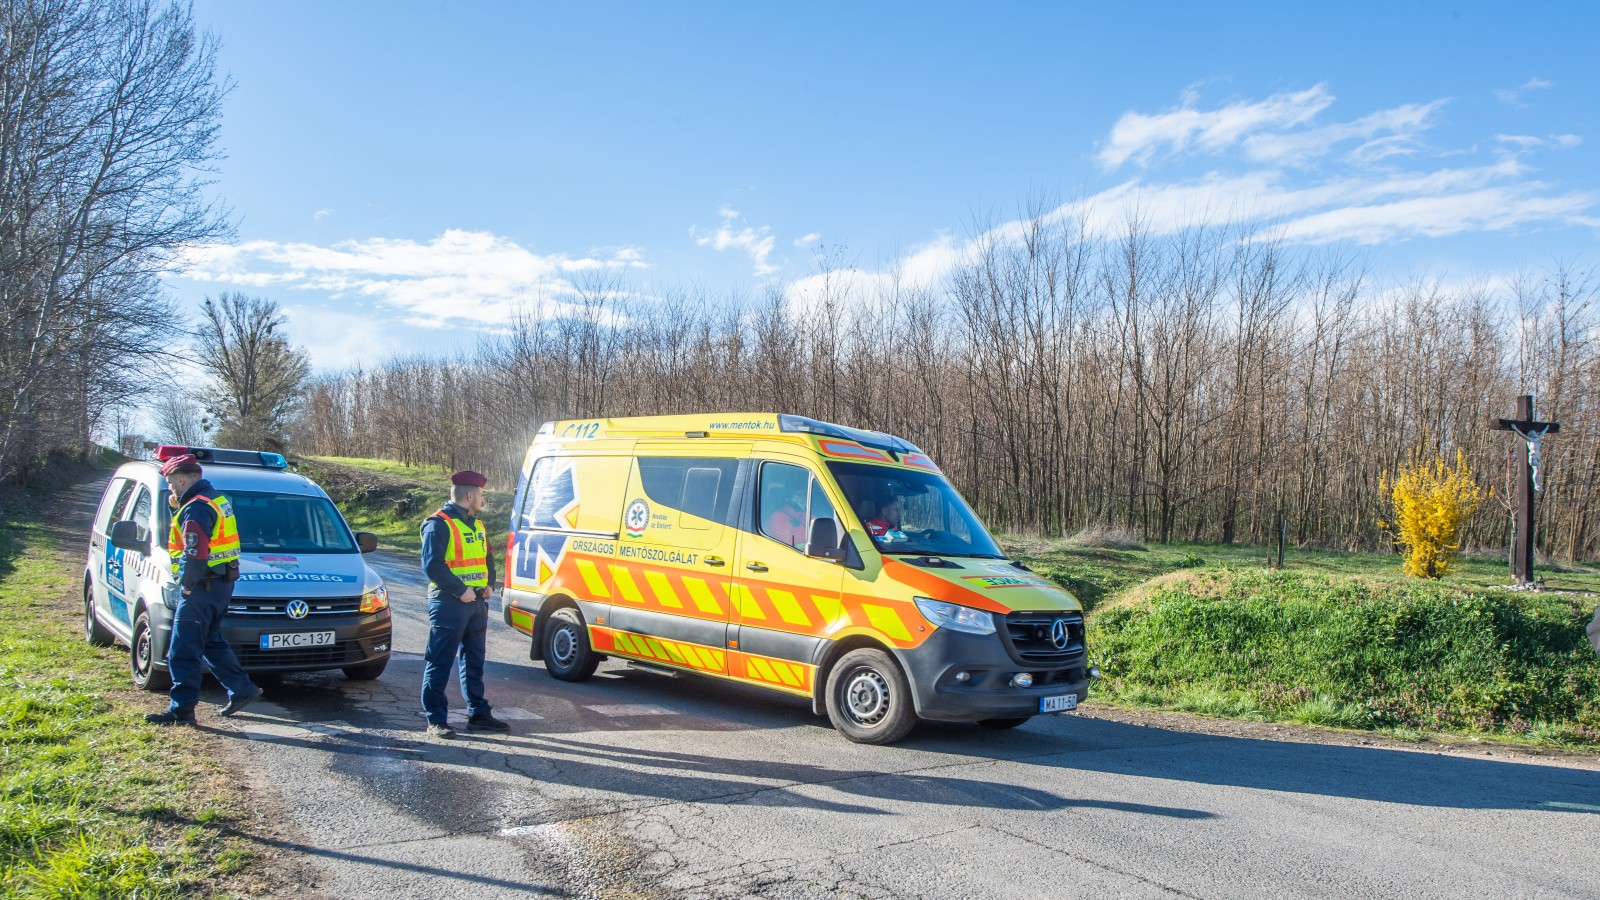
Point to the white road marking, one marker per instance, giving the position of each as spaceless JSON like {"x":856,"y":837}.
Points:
{"x":515,"y":714}
{"x":631,"y":709}
{"x":1575,"y":807}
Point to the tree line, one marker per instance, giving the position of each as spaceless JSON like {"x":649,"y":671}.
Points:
{"x":1186,"y":385}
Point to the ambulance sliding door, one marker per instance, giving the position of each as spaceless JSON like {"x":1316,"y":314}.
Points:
{"x":670,"y":581}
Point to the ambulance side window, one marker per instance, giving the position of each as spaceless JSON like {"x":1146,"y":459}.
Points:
{"x":701,"y":488}
{"x":550,"y":490}
{"x":788,"y":501}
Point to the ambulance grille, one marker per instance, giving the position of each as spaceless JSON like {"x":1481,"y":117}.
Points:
{"x":1029,"y":635}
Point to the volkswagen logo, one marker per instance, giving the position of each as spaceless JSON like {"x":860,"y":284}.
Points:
{"x":1058,"y":634}
{"x":297,"y":609}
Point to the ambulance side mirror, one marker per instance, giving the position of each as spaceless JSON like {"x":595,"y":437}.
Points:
{"x":825,"y":544}
{"x":367,"y":541}
{"x":126,"y":535}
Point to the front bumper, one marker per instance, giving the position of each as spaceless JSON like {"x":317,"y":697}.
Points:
{"x":357,"y":639}
{"x":987,"y":693}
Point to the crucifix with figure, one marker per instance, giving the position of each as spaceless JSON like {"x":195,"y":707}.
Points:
{"x":1529,"y":482}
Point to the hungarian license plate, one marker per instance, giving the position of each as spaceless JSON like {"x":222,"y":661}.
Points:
{"x":1058,"y":703}
{"x":297,"y":639}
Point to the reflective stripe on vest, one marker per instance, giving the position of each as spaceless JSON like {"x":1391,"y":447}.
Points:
{"x":224,"y":534}
{"x":468,"y":556}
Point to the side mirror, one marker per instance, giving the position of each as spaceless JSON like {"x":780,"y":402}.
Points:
{"x":126,"y":535}
{"x":367,"y":541}
{"x":824,"y":541}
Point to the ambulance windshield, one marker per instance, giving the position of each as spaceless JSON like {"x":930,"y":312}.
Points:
{"x":913,"y":512}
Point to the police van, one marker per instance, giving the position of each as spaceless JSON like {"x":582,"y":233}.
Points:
{"x":773,"y":550}
{"x":305,"y":599}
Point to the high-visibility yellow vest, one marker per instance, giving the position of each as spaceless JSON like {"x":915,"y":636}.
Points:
{"x":468,"y":557}
{"x":224,"y":534}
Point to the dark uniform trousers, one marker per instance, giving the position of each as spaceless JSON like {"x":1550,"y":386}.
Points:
{"x":197,"y":642}
{"x":457,"y":632}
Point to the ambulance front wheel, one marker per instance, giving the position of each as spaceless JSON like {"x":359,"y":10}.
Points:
{"x":567,"y":654}
{"x":869,"y":699}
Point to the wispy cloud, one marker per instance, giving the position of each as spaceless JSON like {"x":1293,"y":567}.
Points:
{"x":1138,"y":136}
{"x":757,"y":243}
{"x":808,"y":239}
{"x":459,"y":277}
{"x":321,"y":214}
{"x":1513,"y":96}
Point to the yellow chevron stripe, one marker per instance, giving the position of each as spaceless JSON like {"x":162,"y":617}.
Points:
{"x":662,"y":588}
{"x":701,"y":595}
{"x":676,"y":653}
{"x":656,"y":649}
{"x":887,"y":621}
{"x":745,"y":603}
{"x":592,"y":579}
{"x":788,"y":607}
{"x":762,"y":667}
{"x":830,"y":608}
{"x":625,"y":584}
{"x":623,"y":642}
{"x":786,"y":672}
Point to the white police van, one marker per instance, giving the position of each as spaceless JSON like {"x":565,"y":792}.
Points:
{"x":305,"y":599}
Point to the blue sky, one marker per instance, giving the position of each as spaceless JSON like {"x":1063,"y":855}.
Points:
{"x":403,"y":174}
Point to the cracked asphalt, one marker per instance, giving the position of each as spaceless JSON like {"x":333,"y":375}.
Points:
{"x":637,"y":785}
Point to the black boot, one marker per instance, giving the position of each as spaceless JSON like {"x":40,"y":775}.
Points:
{"x":171,"y":718}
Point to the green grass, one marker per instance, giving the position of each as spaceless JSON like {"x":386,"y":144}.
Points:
{"x":93,"y":802}
{"x":391,"y":500}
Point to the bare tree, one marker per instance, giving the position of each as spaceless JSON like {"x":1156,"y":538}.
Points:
{"x":259,"y":374}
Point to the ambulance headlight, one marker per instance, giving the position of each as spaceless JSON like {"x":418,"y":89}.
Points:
{"x":375,"y":599}
{"x":955,"y":617}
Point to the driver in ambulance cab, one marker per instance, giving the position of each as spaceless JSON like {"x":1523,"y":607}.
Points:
{"x":886,"y":522}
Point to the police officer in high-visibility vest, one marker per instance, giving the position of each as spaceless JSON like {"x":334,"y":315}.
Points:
{"x":460,"y":569}
{"x":204,"y":544}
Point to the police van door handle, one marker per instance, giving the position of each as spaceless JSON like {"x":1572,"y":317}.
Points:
{"x":755,"y":567}
{"x":716,"y":561}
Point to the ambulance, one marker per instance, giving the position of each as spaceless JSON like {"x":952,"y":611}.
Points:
{"x":305,"y":600}
{"x":773,"y":550}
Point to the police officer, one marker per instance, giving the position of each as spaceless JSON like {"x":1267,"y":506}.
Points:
{"x":460,"y":568}
{"x":204,"y":544}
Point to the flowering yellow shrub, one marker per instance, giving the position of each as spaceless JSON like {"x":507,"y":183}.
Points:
{"x":1431,"y":501}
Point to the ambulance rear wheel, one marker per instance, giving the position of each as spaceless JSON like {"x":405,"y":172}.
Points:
{"x":142,"y":658}
{"x":869,"y":699}
{"x":567,"y":654}
{"x":96,"y":634}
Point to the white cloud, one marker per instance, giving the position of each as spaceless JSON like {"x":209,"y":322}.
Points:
{"x":757,"y":243}
{"x":1138,"y":136}
{"x":321,"y":214}
{"x":808,"y":239}
{"x":1567,"y":141}
{"x":1513,"y":97}
{"x":1385,"y":133}
{"x":459,"y":277}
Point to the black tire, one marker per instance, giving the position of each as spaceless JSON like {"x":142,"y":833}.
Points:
{"x":1004,"y":723}
{"x":367,"y":671}
{"x":567,"y":653}
{"x":141,"y":658}
{"x":869,"y":699}
{"x":96,"y":634}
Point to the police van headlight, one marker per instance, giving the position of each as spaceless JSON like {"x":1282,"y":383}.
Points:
{"x":955,"y":617}
{"x":375,"y":599}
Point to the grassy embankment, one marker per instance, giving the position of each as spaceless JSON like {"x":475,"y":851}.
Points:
{"x":93,"y":802}
{"x":391,"y":500}
{"x":1335,"y":639}
{"x":1338,"y":639}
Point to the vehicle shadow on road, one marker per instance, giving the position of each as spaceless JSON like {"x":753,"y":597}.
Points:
{"x":1358,"y":773}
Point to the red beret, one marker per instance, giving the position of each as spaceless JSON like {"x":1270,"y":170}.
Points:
{"x":469,"y":479}
{"x":171,"y":465}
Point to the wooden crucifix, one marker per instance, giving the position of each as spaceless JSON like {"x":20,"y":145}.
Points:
{"x":1528,"y":483}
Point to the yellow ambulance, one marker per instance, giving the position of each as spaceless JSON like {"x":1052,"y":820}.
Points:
{"x":775,"y":550}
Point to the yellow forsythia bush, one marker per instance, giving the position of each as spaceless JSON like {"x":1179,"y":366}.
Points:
{"x":1431,"y":502}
